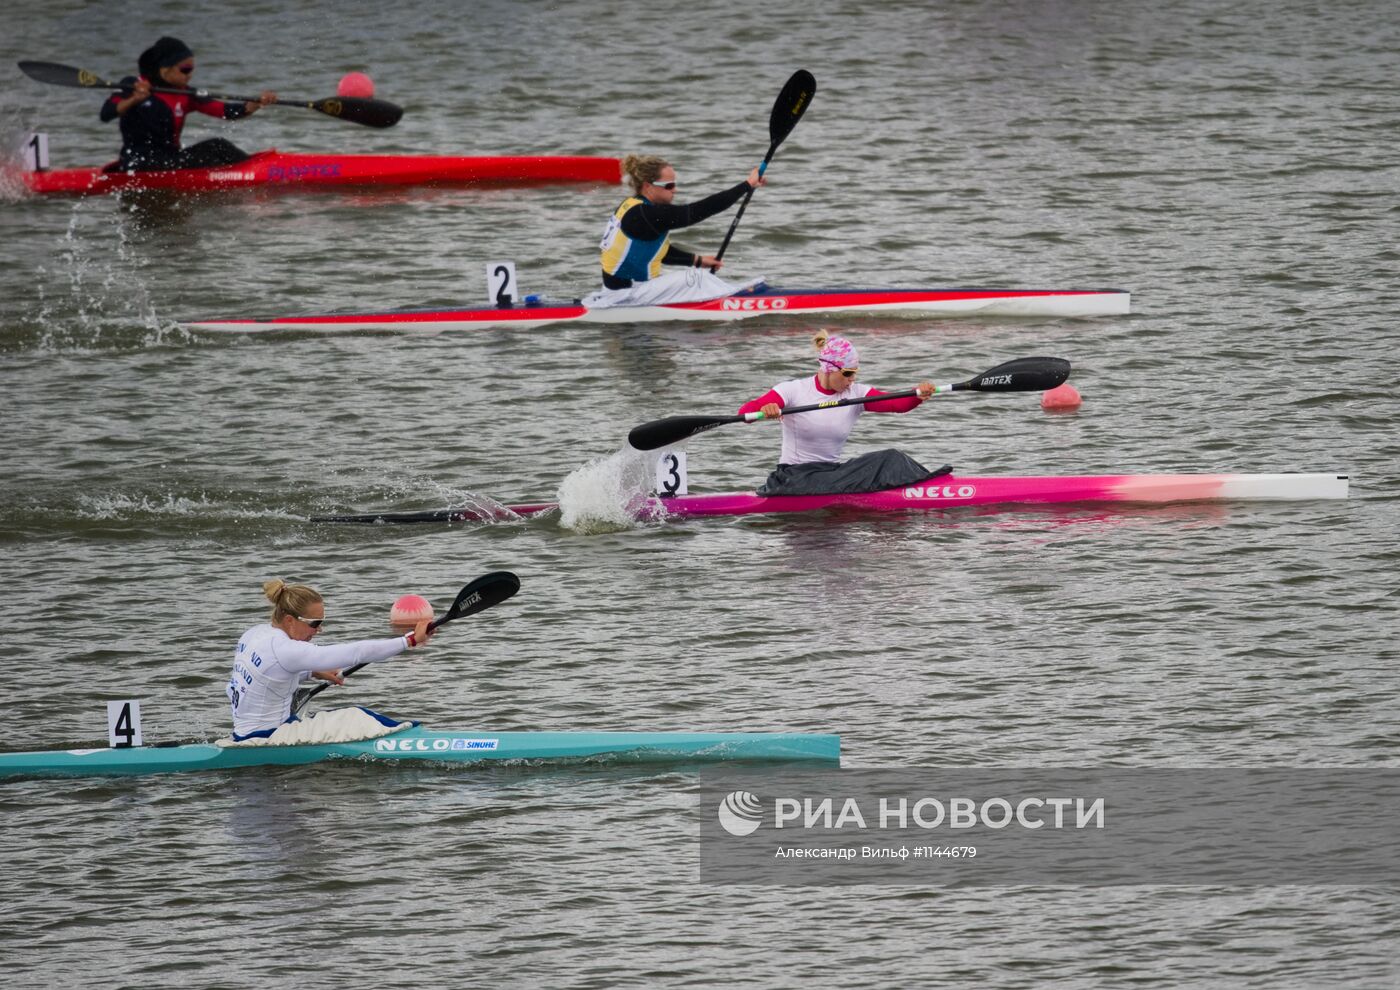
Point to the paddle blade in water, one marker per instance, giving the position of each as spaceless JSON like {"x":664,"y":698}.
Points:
{"x":371,"y":113}
{"x":1035,"y":374}
{"x":63,"y":75}
{"x":791,"y":104}
{"x":664,"y":432}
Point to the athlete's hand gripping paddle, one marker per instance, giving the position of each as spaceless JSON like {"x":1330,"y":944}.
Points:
{"x":486,"y":591}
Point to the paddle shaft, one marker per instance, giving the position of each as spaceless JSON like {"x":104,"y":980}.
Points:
{"x":754,"y":417}
{"x":743,"y":205}
{"x":204,"y":94}
{"x":372,"y":113}
{"x":360,"y":666}
{"x":331,"y":106}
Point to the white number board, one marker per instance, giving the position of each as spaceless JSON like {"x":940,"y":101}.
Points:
{"x":500,"y":283}
{"x":123,"y":724}
{"x":670,"y":474}
{"x":36,"y":152}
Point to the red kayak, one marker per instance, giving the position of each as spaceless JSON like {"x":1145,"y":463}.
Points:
{"x":281,"y":170}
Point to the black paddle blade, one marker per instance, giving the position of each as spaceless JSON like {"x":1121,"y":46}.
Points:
{"x":791,"y":104}
{"x":673,"y":429}
{"x":486,"y":591}
{"x":371,"y":113}
{"x":1035,"y":374}
{"x":63,"y":75}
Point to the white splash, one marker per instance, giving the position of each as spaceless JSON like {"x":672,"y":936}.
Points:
{"x":603,"y":494}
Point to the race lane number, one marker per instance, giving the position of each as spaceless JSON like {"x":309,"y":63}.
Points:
{"x":501,"y":289}
{"x":670,"y":474}
{"x":123,"y":724}
{"x":36,"y":152}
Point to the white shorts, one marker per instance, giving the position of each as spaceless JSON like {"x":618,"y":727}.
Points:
{"x":336,"y":725}
{"x":684,"y":285}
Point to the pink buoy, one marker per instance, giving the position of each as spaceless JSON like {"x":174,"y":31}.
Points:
{"x":1060,"y":398}
{"x":409,"y":610}
{"x":355,"y":84}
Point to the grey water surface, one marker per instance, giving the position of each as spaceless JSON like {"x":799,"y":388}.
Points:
{"x":1233,"y":166}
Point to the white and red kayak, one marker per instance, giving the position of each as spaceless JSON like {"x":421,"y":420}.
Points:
{"x":287,"y":170}
{"x":760,"y":300}
{"x":944,"y":492}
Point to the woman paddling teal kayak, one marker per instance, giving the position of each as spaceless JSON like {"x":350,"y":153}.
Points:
{"x":637,"y":240}
{"x":274,"y":659}
{"x":151,"y":122}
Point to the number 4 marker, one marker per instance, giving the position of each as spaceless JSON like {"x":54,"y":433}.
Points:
{"x":123,"y":724}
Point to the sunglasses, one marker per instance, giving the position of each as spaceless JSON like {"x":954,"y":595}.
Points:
{"x":665,"y":185}
{"x":313,"y":623}
{"x":849,"y":372}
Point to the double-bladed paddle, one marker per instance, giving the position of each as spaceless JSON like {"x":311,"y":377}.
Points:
{"x":1035,"y":374}
{"x":371,"y":113}
{"x":479,"y":595}
{"x":792,"y":103}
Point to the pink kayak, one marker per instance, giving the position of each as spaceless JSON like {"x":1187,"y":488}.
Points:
{"x":945,"y":492}
{"x":287,"y":170}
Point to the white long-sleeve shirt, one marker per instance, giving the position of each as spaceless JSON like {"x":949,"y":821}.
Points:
{"x":820,"y":435}
{"x":269,"y":666}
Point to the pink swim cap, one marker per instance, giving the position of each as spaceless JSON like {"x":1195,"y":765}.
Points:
{"x":838,"y":353}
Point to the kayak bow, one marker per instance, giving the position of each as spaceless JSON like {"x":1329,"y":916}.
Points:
{"x":761,"y":300}
{"x":418,"y":743}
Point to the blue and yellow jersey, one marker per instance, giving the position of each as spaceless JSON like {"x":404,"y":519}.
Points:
{"x":627,"y":257}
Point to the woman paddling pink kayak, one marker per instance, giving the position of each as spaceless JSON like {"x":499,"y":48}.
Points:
{"x":810,"y":462}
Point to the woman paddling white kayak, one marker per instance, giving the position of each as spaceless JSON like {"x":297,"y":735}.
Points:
{"x":637,"y":241}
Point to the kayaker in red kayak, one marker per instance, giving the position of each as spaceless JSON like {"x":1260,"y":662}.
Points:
{"x":637,"y":240}
{"x":821,"y":435}
{"x":151,"y":122}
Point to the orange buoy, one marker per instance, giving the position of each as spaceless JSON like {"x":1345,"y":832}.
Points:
{"x":1061,"y":398}
{"x":408,"y":611}
{"x":355,"y":84}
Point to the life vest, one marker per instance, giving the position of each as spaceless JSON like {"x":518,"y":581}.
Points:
{"x":627,"y":258}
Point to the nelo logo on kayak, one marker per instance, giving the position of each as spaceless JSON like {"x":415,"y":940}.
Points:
{"x":777,"y":302}
{"x":294,"y":173}
{"x":941,"y":492}
{"x":392,"y":745}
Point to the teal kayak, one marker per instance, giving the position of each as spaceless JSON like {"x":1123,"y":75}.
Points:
{"x":425,"y":745}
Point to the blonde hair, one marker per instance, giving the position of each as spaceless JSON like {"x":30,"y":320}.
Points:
{"x":642,"y":169}
{"x":820,"y":338}
{"x":289,"y":599}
